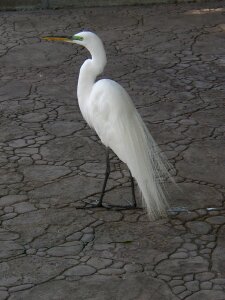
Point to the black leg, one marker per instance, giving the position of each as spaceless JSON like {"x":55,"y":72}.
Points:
{"x":130,"y":206}
{"x":133,"y":190}
{"x":107,"y":172}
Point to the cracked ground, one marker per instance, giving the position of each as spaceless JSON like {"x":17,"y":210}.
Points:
{"x":171,"y":60}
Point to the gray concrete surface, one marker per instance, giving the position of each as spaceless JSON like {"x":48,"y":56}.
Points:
{"x":171,"y":59}
{"x":55,"y":4}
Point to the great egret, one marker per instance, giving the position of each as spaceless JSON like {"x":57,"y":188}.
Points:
{"x":109,"y":110}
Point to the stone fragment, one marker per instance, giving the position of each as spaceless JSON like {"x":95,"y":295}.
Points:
{"x":188,"y":277}
{"x":207,"y":285}
{"x":132,"y":268}
{"x":188,"y":121}
{"x":200,"y":242}
{"x":180,"y":148}
{"x":9,"y":249}
{"x":41,"y":253}
{"x":14,"y":89}
{"x":201,"y":212}
{"x":45,"y":138}
{"x":140,"y":242}
{"x":34,"y":270}
{"x":160,"y":257}
{"x":205,"y":251}
{"x":179,"y":289}
{"x":179,"y":255}
{"x":87,"y":237}
{"x":207,"y":295}
{"x":165,"y":277}
{"x":175,"y":267}
{"x":189,"y":246}
{"x":202,"y":85}
{"x":8,"y":209}
{"x":217,"y":287}
{"x":4,"y":159}
{"x":102,"y":247}
{"x":26,"y":151}
{"x":194,"y":196}
{"x":99,"y":262}
{"x":71,"y":148}
{"x":192,"y":286}
{"x":44,"y":173}
{"x":193,"y":253}
{"x":33,"y":117}
{"x":8,"y":216}
{"x":11,"y":131}
{"x":24,"y":207}
{"x":9,"y":177}
{"x":26,"y":161}
{"x":217,"y":220}
{"x":74,"y":237}
{"x":80,"y":270}
{"x":218,"y":254}
{"x":66,"y":249}
{"x":18,"y":143}
{"x":31,"y":251}
{"x":100,"y":287}
{"x":63,"y":128}
{"x":199,"y":227}
{"x":84,"y":258}
{"x":184,"y":294}
{"x":208,"y":237}
{"x":219,"y":281}
{"x":36,"y":157}
{"x":4,"y":295}
{"x":109,"y":216}
{"x":205,"y":276}
{"x":95,"y":168}
{"x":176,"y":282}
{"x":88,"y":230}
{"x":8,"y":235}
{"x":117,"y":265}
{"x":68,"y":189}
{"x":20,"y":287}
{"x":211,"y":148}
{"x":40,"y":162}
{"x":213,"y":212}
{"x":111,"y":271}
{"x":187,"y":216}
{"x":211,"y":245}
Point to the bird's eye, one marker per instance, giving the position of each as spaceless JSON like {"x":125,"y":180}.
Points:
{"x":78,"y":38}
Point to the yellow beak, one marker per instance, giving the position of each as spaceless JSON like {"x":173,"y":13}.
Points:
{"x":58,"y":39}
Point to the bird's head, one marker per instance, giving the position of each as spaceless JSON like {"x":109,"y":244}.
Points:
{"x":87,"y":39}
{"x":84,"y":38}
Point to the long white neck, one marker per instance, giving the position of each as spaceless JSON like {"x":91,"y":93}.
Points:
{"x":90,"y":69}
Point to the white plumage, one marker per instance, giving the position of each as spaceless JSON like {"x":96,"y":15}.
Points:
{"x":109,"y":110}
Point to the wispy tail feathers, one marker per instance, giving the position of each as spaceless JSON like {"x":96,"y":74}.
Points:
{"x":147,"y":164}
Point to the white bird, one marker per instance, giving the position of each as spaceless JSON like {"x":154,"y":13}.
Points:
{"x":109,"y":110}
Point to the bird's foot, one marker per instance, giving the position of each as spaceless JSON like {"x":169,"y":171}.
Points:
{"x":120,"y":207}
{"x":94,"y":205}
{"x":99,"y":204}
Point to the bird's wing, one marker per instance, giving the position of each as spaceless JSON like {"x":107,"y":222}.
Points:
{"x":109,"y":103}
